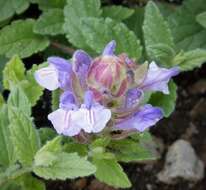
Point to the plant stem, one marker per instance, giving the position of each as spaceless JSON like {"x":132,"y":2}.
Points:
{"x":62,"y":47}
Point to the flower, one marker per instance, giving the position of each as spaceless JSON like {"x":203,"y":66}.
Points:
{"x":70,"y":120}
{"x":108,"y":72}
{"x":145,"y":117}
{"x":56,"y":75}
{"x":157,"y":78}
{"x":104,"y":92}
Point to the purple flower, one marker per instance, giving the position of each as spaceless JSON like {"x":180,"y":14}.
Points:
{"x":108,"y":72}
{"x":81,"y":62}
{"x":56,"y":75}
{"x":144,"y":118}
{"x":106,"y":91}
{"x":65,"y":122}
{"x":157,"y":78}
{"x":133,"y":97}
{"x":70,"y":120}
{"x":109,"y":49}
{"x":93,"y":116}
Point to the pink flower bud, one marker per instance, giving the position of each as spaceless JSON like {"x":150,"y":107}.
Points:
{"x":108,"y":73}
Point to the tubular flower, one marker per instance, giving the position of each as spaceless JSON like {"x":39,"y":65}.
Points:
{"x":103,"y":92}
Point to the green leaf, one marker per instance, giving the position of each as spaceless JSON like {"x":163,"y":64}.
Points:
{"x":11,"y":186}
{"x":49,"y":4}
{"x":135,"y":22}
{"x":13,"y":72}
{"x":28,"y":182}
{"x":100,"y":142}
{"x":117,"y":13}
{"x":187,"y":33}
{"x":128,"y":150}
{"x":24,"y":136}
{"x":7,"y":156}
{"x":19,"y":38}
{"x":3,"y":61}
{"x":73,"y":12}
{"x":109,"y":30}
{"x":63,"y":166}
{"x":1,"y":100}
{"x":31,"y":88}
{"x":46,"y":134}
{"x":9,"y":7}
{"x":72,"y":147}
{"x":50,"y":22}
{"x":53,"y":145}
{"x":157,"y":35}
{"x":164,"y":101}
{"x":201,"y":19}
{"x":191,"y":59}
{"x":55,"y":99}
{"x":111,"y":173}
{"x":18,"y":99}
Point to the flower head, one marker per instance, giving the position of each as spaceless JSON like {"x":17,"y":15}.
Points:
{"x":103,"y":92}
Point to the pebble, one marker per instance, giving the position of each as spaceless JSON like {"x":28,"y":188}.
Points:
{"x":181,"y":163}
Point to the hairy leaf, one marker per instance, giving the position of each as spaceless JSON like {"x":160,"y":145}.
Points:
{"x":109,"y":30}
{"x":7,"y":156}
{"x":73,"y":12}
{"x":19,"y":38}
{"x":187,"y":33}
{"x":129,"y":150}
{"x":135,"y":22}
{"x":164,"y":101}
{"x":63,"y":166}
{"x":157,"y":36}
{"x":117,"y":12}
{"x":111,"y":173}
{"x":31,"y":88}
{"x":190,"y":59}
{"x":49,"y":4}
{"x":50,"y":22}
{"x":28,"y":182}
{"x":9,"y":7}
{"x":13,"y":72}
{"x":201,"y":19}
{"x":24,"y":136}
{"x":17,"y":98}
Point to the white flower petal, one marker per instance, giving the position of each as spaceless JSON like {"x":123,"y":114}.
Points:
{"x":47,"y":77}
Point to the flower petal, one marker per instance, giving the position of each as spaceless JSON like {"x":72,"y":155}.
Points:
{"x":64,"y":69}
{"x":60,"y":64}
{"x":64,"y":122}
{"x":80,"y":58}
{"x":146,"y":117}
{"x":133,"y":97}
{"x":81,"y":63}
{"x":67,"y":101}
{"x":110,"y":48}
{"x":94,"y":119}
{"x":157,"y":78}
{"x":47,"y":77}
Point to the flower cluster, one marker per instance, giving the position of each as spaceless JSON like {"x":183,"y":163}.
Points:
{"x":105,"y":93}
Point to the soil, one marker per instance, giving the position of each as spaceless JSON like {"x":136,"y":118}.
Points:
{"x":187,"y":122}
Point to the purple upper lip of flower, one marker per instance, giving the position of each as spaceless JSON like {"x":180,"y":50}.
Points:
{"x":80,"y":107}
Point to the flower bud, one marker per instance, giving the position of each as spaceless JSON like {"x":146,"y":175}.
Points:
{"x":108,"y":73}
